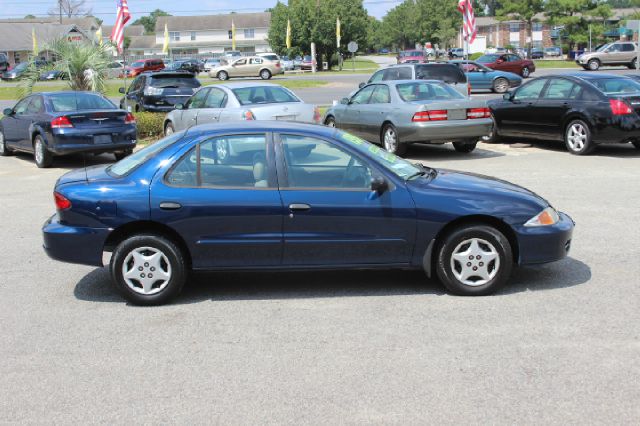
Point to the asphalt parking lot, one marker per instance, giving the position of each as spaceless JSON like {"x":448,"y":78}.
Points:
{"x":559,"y":345}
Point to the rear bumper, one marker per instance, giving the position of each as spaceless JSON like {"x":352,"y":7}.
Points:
{"x":543,"y":244}
{"x":70,"y":141}
{"x":445,"y":130}
{"x":73,"y":245}
{"x":622,"y":129}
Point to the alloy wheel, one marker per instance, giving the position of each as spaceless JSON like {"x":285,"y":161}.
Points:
{"x":501,"y":85}
{"x":525,"y":72}
{"x":39,"y":155}
{"x":146,"y":270}
{"x":330,"y":122}
{"x":2,"y":146}
{"x":168,"y":130}
{"x":390,"y":140}
{"x":475,"y":262}
{"x":576,"y":137}
{"x":594,"y":65}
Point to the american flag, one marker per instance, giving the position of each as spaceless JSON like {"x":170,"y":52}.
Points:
{"x":468,"y":20}
{"x":117,"y":34}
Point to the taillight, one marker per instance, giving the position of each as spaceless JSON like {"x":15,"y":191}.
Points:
{"x":620,"y":107}
{"x":61,"y":122}
{"x":434,"y":115}
{"x":248,"y":115}
{"x":316,"y":115}
{"x":62,"y":203}
{"x":478,"y":113}
{"x":129,"y":119}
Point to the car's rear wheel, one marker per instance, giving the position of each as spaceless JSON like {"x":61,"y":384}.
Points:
{"x":633,"y":64}
{"x":636,"y":144}
{"x":168,"y":129}
{"x":525,"y":72}
{"x":330,"y":122}
{"x":391,"y":141}
{"x":223,"y":75}
{"x":265,"y":74}
{"x":577,"y":138}
{"x":41,"y":154}
{"x":593,"y":64}
{"x":4,"y":150}
{"x":122,"y":154}
{"x":500,"y":85}
{"x":465,"y":147}
{"x":474,"y":260}
{"x":148,"y":269}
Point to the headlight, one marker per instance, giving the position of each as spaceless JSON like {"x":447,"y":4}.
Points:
{"x":548,"y":216}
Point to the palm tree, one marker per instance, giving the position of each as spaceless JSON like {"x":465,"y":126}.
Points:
{"x":83,"y":63}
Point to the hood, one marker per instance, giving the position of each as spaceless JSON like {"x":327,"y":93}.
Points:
{"x":85,"y":174}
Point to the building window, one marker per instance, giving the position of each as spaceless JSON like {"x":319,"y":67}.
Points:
{"x":249,"y":33}
{"x":230,"y":34}
{"x":537,"y":26}
{"x":514,"y":27}
{"x":193,"y":35}
{"x":174,"y":36}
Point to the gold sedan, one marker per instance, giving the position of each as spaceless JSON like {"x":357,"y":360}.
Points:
{"x":248,"y":66}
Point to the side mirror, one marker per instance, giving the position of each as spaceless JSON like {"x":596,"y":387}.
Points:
{"x":361,"y":85}
{"x":344,"y":101}
{"x":179,"y":106}
{"x":121,"y":90}
{"x":379,"y":185}
{"x":8,"y":111}
{"x":499,"y":61}
{"x":507,"y":96}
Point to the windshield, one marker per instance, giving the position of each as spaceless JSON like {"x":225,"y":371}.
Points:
{"x":411,"y":53}
{"x":21,"y":66}
{"x":398,"y":166}
{"x":126,"y":165}
{"x":616,"y":86}
{"x":173,"y":81}
{"x":603,"y":47}
{"x":64,"y":102}
{"x":264,"y":95}
{"x":425,"y":91}
{"x":487,"y":59}
{"x":138,"y":64}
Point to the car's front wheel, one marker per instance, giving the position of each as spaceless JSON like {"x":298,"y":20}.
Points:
{"x":223,"y":75}
{"x":577,"y":138}
{"x":636,"y":144}
{"x":500,"y":85}
{"x":593,"y":64}
{"x":391,"y":140}
{"x":265,"y":74}
{"x":465,"y":147}
{"x":148,"y":269}
{"x":4,"y":150}
{"x":474,"y":260}
{"x":41,"y":154}
{"x":330,"y":122}
{"x":525,"y":72}
{"x":168,"y":129}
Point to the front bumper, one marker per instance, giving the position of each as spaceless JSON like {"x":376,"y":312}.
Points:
{"x":543,"y":244}
{"x":447,"y":131}
{"x":73,"y":244}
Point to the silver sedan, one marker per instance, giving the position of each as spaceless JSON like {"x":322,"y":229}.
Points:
{"x":402,"y":112}
{"x":240,"y":101}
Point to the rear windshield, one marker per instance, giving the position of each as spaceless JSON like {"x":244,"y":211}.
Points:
{"x":616,"y":86}
{"x":163,"y":81}
{"x":447,"y":73}
{"x":263,"y":95}
{"x":411,"y":53}
{"x":126,"y":165}
{"x":423,"y":91}
{"x":138,"y":64}
{"x":270,"y":57}
{"x":63,"y":102}
{"x":487,"y":59}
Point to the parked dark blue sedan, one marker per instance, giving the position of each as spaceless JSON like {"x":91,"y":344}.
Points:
{"x":60,"y":123}
{"x":276,"y":195}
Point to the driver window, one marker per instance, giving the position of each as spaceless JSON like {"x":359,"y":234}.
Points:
{"x":216,"y":99}
{"x":362,"y":97}
{"x":530,"y":91}
{"x":614,"y":48}
{"x":376,"y":77}
{"x":316,"y":164}
{"x":36,"y":106}
{"x":198,"y":99}
{"x":21,"y":107}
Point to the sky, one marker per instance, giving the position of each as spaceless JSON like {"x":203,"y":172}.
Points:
{"x":106,"y":9}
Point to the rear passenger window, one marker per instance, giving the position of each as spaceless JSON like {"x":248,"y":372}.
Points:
{"x":628,"y":47}
{"x":561,"y":89}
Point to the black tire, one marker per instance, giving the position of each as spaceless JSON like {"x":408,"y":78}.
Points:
{"x":265,"y":74}
{"x":398,"y":148}
{"x":169,"y":129}
{"x":497,"y":272}
{"x":632,"y":65}
{"x":525,"y":73}
{"x":636,"y":144}
{"x":120,"y":155}
{"x":4,"y":150}
{"x":500,"y":85}
{"x":223,"y":76}
{"x":41,"y":154}
{"x":593,"y":65}
{"x":330,"y":121}
{"x":465,"y":147}
{"x":172,"y":254}
{"x":577,"y":138}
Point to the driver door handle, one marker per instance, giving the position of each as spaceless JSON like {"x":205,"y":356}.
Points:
{"x":299,"y":207}
{"x":168,"y":205}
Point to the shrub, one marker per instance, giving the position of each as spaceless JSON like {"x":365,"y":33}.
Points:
{"x":149,"y":124}
{"x":475,"y":56}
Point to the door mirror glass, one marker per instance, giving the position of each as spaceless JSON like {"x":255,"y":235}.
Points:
{"x":379,"y":185}
{"x":361,"y":85}
{"x":344,"y":101}
{"x":179,"y":106}
{"x":7,"y":111}
{"x":507,"y":96}
{"x":499,"y":61}
{"x":121,"y":90}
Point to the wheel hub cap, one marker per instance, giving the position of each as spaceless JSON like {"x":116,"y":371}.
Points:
{"x":38,"y":152}
{"x":577,"y":137}
{"x":146,"y":270}
{"x":1,"y":143}
{"x":390,"y":140}
{"x":475,"y":262}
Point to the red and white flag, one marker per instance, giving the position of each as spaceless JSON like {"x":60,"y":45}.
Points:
{"x":468,"y":20}
{"x":117,"y":34}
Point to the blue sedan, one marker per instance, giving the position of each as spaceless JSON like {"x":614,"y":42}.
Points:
{"x":277,"y":195}
{"x":484,"y":78}
{"x":61,"y":123}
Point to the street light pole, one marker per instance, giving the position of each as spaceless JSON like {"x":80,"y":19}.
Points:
{"x":60,"y":9}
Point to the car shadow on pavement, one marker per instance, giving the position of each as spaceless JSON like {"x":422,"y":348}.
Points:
{"x":229,"y":286}
{"x":446,"y":152}
{"x":623,"y":150}
{"x":70,"y":162}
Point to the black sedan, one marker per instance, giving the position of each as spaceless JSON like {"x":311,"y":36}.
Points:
{"x":59,"y":123}
{"x":582,"y":109}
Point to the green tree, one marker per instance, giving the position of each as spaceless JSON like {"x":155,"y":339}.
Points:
{"x":30,"y":16}
{"x":522,"y":10}
{"x":576,"y":16}
{"x":149,"y":22}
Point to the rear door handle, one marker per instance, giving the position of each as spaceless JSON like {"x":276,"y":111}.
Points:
{"x":299,"y":207}
{"x":168,"y":205}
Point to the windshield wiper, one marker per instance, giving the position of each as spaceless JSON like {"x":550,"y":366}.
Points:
{"x":416,"y":174}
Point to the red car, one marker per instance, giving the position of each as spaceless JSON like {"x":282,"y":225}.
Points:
{"x":411,"y":57}
{"x":144,"y":65}
{"x":509,"y":62}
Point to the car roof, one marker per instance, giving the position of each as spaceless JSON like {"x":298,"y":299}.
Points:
{"x":395,"y":82}
{"x":239,"y":85}
{"x":67,"y":92}
{"x":584,"y":75}
{"x":436,"y":64}
{"x":261,"y":126}
{"x":169,"y":73}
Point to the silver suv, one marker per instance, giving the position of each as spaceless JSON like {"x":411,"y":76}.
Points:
{"x":618,"y":53}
